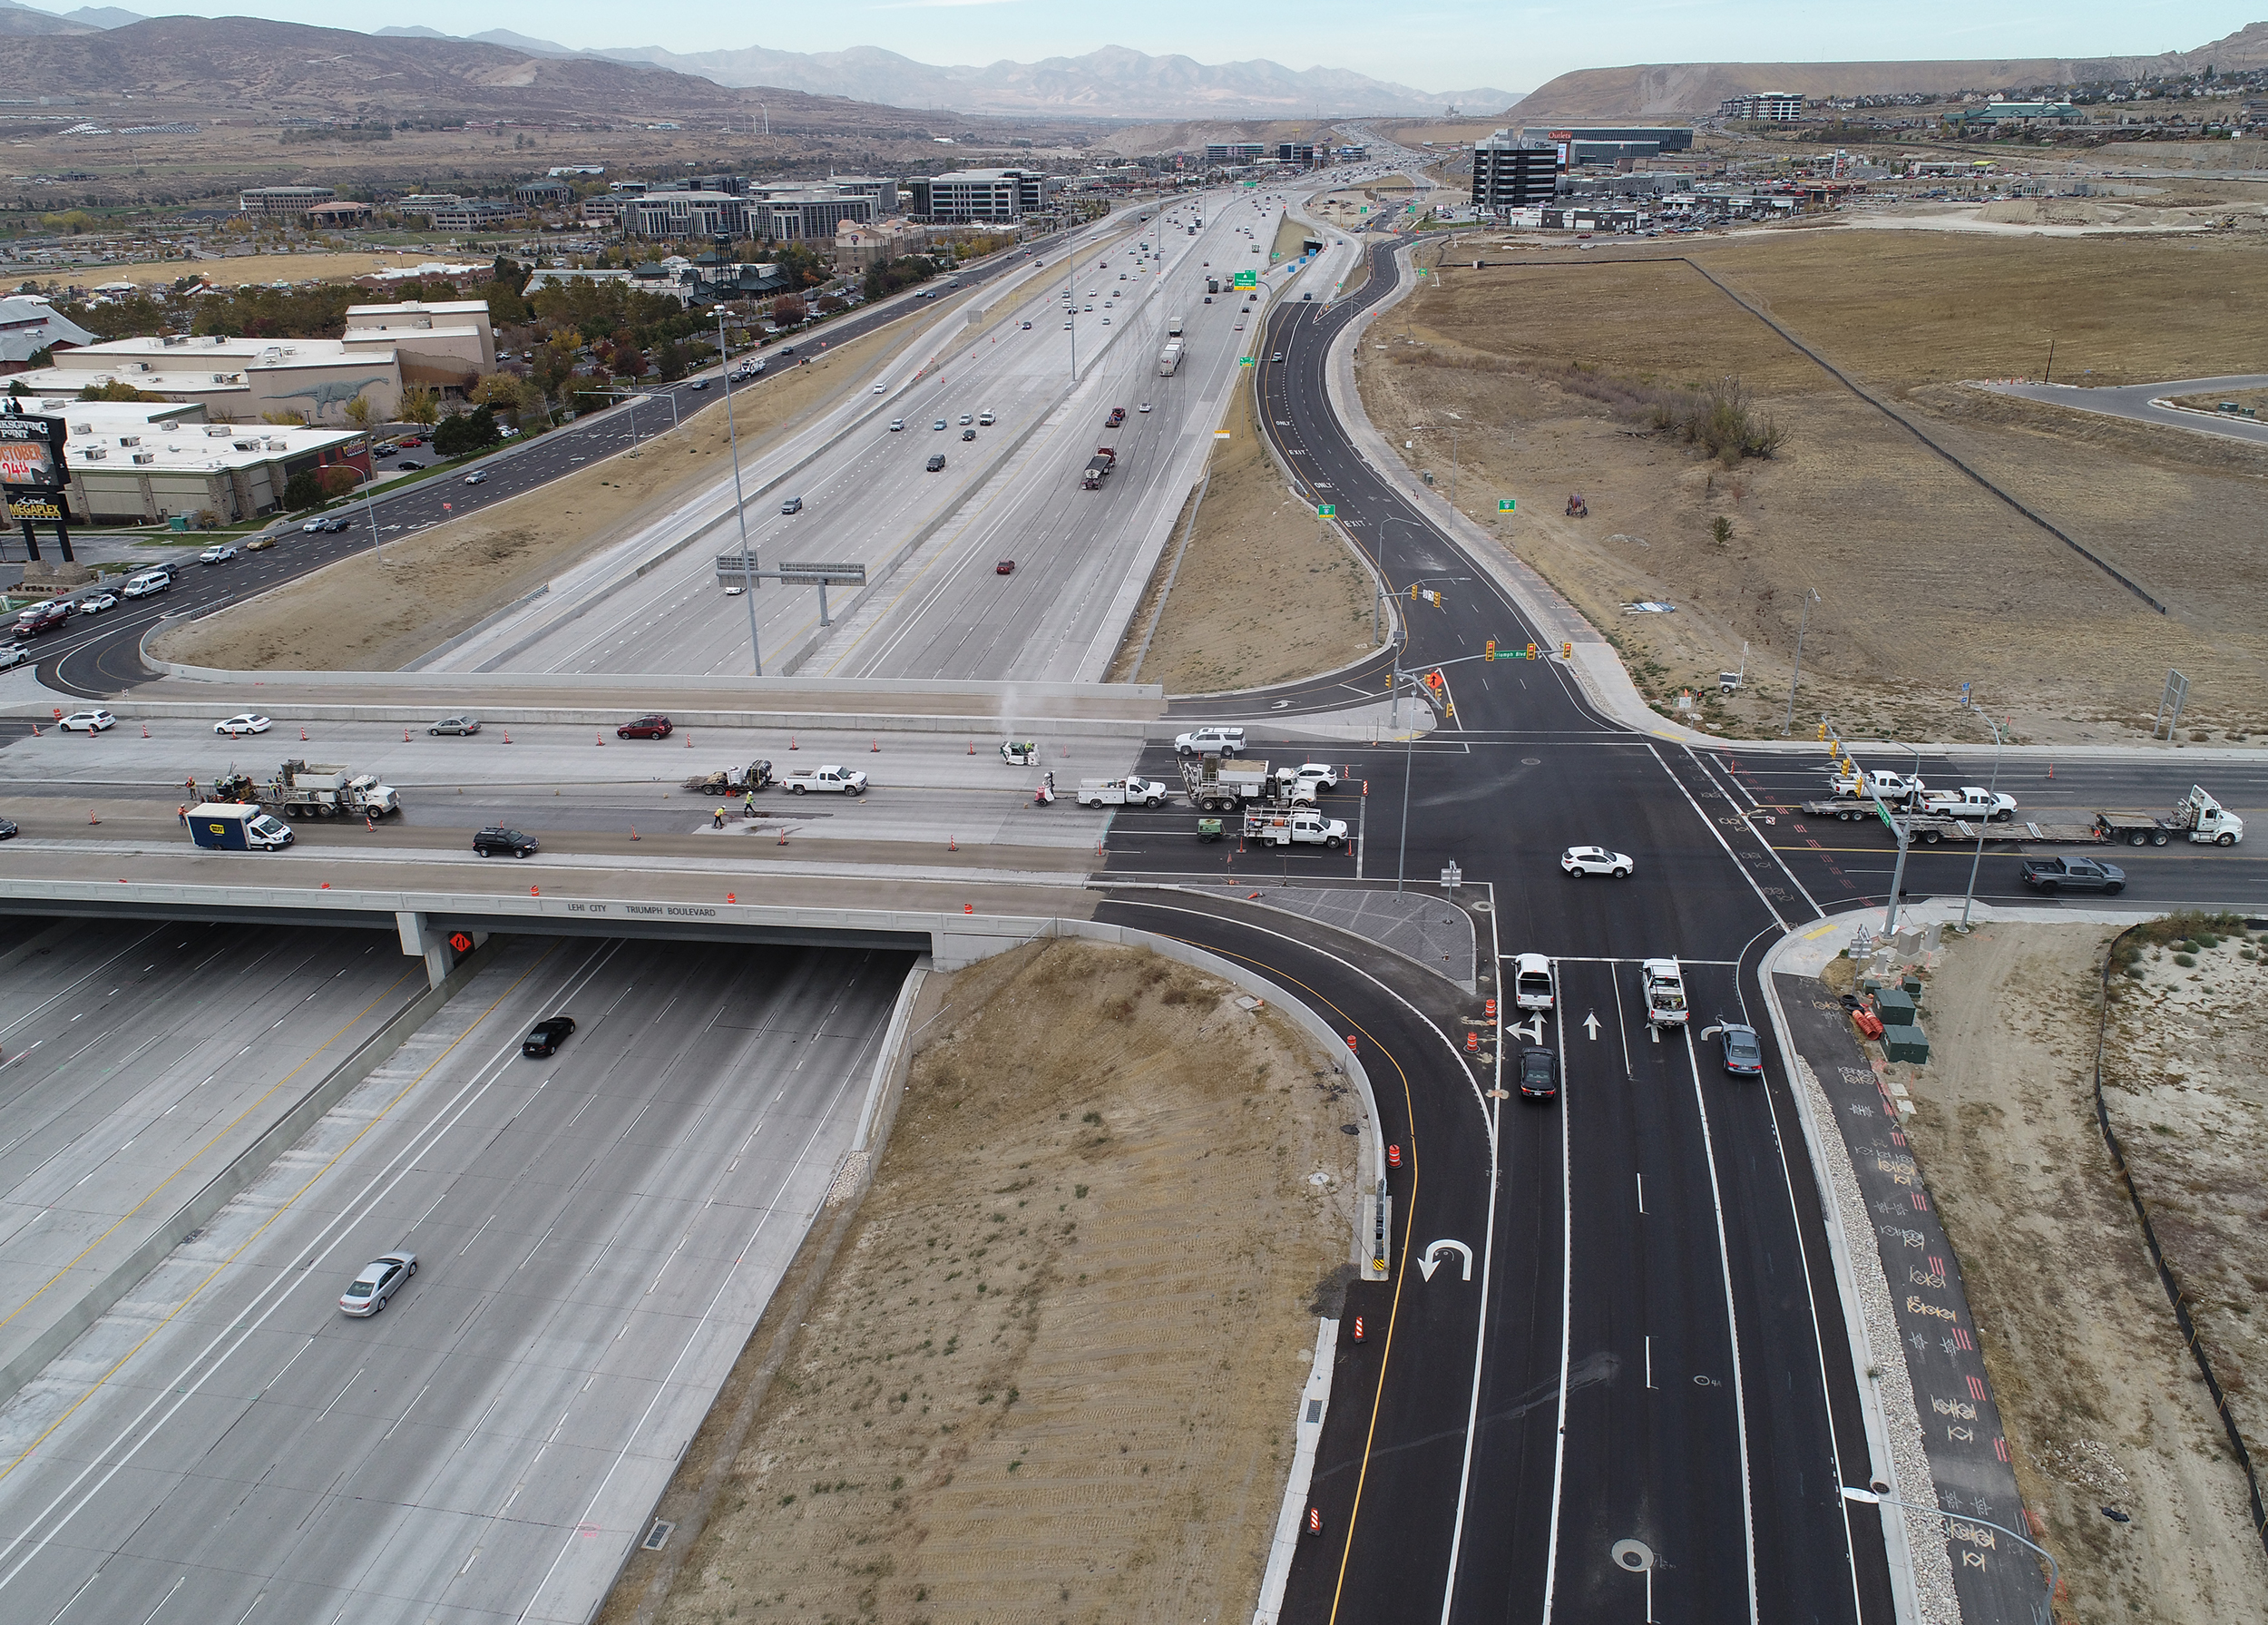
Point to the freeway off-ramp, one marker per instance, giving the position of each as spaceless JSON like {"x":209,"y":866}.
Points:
{"x":1652,"y":1348}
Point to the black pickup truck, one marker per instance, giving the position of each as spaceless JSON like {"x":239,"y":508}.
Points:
{"x":2079,"y":874}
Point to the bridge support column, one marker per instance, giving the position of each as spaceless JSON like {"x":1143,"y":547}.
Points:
{"x":419,"y":941}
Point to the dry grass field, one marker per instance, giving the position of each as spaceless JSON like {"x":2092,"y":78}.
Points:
{"x":1264,"y":593}
{"x":1925,"y":579}
{"x":1053,"y":1375}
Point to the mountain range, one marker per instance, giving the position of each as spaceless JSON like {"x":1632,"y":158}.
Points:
{"x":1112,"y":83}
{"x":1675,"y":91}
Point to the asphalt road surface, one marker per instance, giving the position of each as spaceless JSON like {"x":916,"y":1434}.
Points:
{"x":2132,"y":402}
{"x":596,"y":1233}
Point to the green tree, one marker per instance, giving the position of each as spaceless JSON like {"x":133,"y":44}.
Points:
{"x":534,"y":411}
{"x":421,"y":404}
{"x":466,"y":432}
{"x":1720,"y":530}
{"x":302,"y":490}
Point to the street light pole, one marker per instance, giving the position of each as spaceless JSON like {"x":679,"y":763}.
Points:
{"x":1409,"y":739}
{"x":1801,"y":621}
{"x":2041,"y":1610}
{"x":1974,"y":863}
{"x":739,"y":504}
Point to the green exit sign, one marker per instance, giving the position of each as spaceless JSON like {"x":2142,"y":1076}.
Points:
{"x":1505,"y":505}
{"x":1244,"y":360}
{"x":1326,"y":510}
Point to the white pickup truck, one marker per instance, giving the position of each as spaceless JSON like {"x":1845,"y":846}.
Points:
{"x":1972,"y":803}
{"x":1121,"y":792}
{"x":1896,"y":788}
{"x":834,"y":780}
{"x":1665,"y":985}
{"x":1301,"y":828}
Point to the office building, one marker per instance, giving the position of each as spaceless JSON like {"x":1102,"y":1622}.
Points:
{"x":685,"y":213}
{"x":1768,"y":107}
{"x":1232,"y":154}
{"x":473,"y":214}
{"x":787,"y":213}
{"x":965,"y":196}
{"x":1513,"y":175}
{"x":283,"y":200}
{"x":1607,"y":143}
{"x":1297,"y":151}
{"x":144,"y":462}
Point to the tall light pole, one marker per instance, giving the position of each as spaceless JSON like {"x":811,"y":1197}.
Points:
{"x":739,"y":504}
{"x":1801,"y":621}
{"x":1976,"y":862}
{"x":2042,"y":1609}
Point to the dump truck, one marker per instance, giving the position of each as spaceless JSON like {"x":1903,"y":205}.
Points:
{"x":305,"y":789}
{"x":237,"y":827}
{"x":1121,"y":792}
{"x":1665,"y":987}
{"x":1220,"y":785}
{"x":1097,"y":468}
{"x":831,"y":779}
{"x":1170,"y":359}
{"x":733,"y":782}
{"x":1295,"y":828}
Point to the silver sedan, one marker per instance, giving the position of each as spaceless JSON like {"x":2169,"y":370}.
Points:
{"x":378,"y":1281}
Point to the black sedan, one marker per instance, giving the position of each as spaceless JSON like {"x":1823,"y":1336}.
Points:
{"x":1538,"y":1074}
{"x":7,"y":829}
{"x":548,"y":1035}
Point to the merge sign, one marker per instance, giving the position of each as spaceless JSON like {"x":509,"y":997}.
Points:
{"x":31,"y":454}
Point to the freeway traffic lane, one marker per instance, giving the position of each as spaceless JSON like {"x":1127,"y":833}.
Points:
{"x":1388,"y":1475}
{"x":595,"y":1233}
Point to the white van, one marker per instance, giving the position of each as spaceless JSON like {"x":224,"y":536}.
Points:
{"x":148,"y":582}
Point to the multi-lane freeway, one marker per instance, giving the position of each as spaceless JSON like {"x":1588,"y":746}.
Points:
{"x":595,"y":1233}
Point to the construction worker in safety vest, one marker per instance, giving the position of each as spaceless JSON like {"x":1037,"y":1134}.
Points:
{"x":718,"y":821}
{"x":748,"y":804}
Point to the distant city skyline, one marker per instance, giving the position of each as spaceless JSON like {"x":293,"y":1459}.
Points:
{"x":1439,"y":46}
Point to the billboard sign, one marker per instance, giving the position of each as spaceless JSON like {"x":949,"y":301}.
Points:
{"x":31,"y":454}
{"x":1561,"y":140}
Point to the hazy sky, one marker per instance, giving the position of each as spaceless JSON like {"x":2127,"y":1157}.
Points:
{"x":1431,"y":44}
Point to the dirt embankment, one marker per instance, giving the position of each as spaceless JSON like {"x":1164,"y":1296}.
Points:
{"x":1053,"y":1374}
{"x":2102,"y":1404}
{"x":1265,"y":592}
{"x":359,"y":615}
{"x":1925,"y":580}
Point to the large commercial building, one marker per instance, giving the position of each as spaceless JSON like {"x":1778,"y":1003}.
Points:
{"x":1229,"y":153}
{"x":475,"y":214}
{"x":283,"y":199}
{"x":1607,"y":144}
{"x":882,"y":189}
{"x":791,"y":212}
{"x":690,"y":212}
{"x":28,"y":326}
{"x":235,"y":380}
{"x":1768,"y":107}
{"x":143,"y":462}
{"x":444,"y":346}
{"x":1513,"y":175}
{"x":966,"y":196}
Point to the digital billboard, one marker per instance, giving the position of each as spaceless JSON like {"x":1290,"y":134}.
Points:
{"x":31,"y":454}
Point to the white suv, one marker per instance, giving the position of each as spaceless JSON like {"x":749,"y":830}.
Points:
{"x":1227,"y":741}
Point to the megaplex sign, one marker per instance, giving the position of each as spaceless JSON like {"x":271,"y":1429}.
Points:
{"x":33,"y":476}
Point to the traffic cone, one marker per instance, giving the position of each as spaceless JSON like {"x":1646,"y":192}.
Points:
{"x":876,"y":746}
{"x":2051,"y":769}
{"x":91,"y":818}
{"x":783,"y":834}
{"x":952,"y":843}
{"x":145,"y":730}
{"x":36,"y":733}
{"x":303,"y":733}
{"x":732,"y":897}
{"x":688,"y":741}
{"x":507,"y":736}
{"x":633,"y":833}
{"x":367,"y":824}
{"x":534,"y":891}
{"x":791,"y":743}
{"x":596,"y":738}
{"x":971,"y":747}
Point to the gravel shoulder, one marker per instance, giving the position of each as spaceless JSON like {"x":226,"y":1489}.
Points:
{"x":1053,"y":1372}
{"x":2103,"y":1406}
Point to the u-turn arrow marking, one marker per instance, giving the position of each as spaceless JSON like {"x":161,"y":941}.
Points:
{"x":1428,"y":1264}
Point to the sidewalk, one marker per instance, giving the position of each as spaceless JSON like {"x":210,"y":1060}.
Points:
{"x":1932,"y":1422}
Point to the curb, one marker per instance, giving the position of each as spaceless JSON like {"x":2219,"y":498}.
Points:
{"x":1905,"y":1536}
{"x":235,"y":1177}
{"x":1314,"y":1405}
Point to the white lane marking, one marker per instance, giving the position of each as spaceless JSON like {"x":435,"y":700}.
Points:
{"x":1718,"y":836}
{"x":1731,"y":1321}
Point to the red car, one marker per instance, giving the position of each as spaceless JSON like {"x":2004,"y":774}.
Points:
{"x":645,"y":728}
{"x":1117,"y":416}
{"x":1005,"y":567}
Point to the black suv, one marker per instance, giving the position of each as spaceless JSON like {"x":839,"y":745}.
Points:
{"x":495,"y":838}
{"x":2081,"y":873}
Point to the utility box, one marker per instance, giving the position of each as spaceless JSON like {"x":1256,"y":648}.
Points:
{"x":1908,"y":1044}
{"x":1896,"y":1007}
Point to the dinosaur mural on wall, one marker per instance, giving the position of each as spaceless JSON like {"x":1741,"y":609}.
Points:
{"x":329,"y":395}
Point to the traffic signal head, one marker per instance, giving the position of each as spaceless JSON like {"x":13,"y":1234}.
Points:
{"x":1823,"y":733}
{"x":1413,"y":593}
{"x":1490,"y":654}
